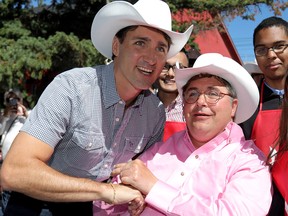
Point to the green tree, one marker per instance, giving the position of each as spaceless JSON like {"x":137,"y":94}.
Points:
{"x":30,"y":63}
{"x":39,"y":39}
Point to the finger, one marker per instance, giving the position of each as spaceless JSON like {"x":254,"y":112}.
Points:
{"x":120,"y":165}
{"x":115,"y":172}
{"x":136,"y":211}
{"x":117,"y":169}
{"x":136,"y":203}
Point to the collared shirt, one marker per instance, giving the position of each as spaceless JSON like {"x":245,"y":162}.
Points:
{"x":174,"y":111}
{"x":226,"y":176}
{"x":275,"y":91}
{"x":82,"y":117}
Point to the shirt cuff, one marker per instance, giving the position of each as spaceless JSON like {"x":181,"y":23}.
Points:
{"x":161,"y":196}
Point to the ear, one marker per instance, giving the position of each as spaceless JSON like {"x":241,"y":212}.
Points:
{"x":115,"y":46}
{"x":234,"y":108}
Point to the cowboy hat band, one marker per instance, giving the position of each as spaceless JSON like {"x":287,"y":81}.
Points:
{"x":120,"y":14}
{"x":229,"y":70}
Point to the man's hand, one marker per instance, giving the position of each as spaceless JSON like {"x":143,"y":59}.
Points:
{"x":121,"y":194}
{"x":136,"y":207}
{"x":136,"y":174}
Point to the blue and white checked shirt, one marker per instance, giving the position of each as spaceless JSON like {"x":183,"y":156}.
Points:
{"x":81,"y":116}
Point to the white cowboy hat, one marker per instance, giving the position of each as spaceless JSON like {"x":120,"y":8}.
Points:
{"x":252,"y":68}
{"x":228,"y":69}
{"x":120,"y":14}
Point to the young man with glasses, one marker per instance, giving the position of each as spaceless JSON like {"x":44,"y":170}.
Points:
{"x":167,"y":92}
{"x":209,"y":168}
{"x":270,"y":41}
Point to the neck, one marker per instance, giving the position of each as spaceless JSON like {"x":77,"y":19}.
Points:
{"x":276,"y":84}
{"x":167,"y":98}
{"x":125,"y":89}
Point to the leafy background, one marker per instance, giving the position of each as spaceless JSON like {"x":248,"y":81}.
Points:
{"x":40,"y":39}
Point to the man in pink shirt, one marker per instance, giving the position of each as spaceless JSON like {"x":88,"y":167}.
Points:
{"x":208,"y":169}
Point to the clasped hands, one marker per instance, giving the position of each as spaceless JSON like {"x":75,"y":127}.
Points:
{"x":136,"y":175}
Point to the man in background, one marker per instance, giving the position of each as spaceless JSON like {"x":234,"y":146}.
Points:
{"x":168,"y":93}
{"x":270,"y":41}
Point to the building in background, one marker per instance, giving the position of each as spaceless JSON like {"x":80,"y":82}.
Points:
{"x":210,"y":39}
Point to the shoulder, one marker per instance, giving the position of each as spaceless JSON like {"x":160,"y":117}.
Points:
{"x":79,"y":74}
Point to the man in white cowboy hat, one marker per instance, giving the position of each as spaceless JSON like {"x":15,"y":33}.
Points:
{"x":208,"y":169}
{"x":89,"y":119}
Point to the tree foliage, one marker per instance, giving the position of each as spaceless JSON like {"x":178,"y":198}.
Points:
{"x":39,"y":39}
{"x":30,"y":63}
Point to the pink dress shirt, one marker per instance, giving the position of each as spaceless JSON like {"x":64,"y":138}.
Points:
{"x":226,"y":176}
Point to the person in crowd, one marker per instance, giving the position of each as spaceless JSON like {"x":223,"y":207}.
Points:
{"x":270,"y":41}
{"x":167,"y":89}
{"x":12,"y":119}
{"x":89,"y":119}
{"x":168,"y":94}
{"x":209,"y":168}
{"x":255,"y":72}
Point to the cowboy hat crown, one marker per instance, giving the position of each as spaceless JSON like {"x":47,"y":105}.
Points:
{"x":120,"y":14}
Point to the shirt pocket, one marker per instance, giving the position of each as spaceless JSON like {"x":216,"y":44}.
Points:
{"x":134,"y":146}
{"x":85,"y":150}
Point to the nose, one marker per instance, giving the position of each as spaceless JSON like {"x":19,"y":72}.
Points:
{"x":171,"y":72}
{"x":271,"y":53}
{"x":201,"y":99}
{"x":150,"y":56}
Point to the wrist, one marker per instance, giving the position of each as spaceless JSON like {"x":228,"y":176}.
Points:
{"x":114,"y":193}
{"x":108,"y":194}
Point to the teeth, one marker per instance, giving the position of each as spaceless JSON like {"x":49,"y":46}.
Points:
{"x":145,"y":69}
{"x":169,"y":81}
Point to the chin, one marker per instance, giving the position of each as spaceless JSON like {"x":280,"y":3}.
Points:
{"x":169,"y":90}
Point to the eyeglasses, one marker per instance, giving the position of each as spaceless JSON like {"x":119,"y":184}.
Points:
{"x":167,"y":67}
{"x":262,"y":50}
{"x":211,"y":96}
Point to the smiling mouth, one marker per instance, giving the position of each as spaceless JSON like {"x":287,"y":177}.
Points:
{"x":169,"y":81}
{"x":200,"y":114}
{"x":145,"y":70}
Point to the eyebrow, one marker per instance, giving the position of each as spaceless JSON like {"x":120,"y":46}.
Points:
{"x":276,"y":42}
{"x":208,"y":88}
{"x":160,"y":43}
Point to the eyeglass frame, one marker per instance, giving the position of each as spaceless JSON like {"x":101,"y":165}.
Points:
{"x":177,"y":65}
{"x":220,"y":96}
{"x":269,"y":48}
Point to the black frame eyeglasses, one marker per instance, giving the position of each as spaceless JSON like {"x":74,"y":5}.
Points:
{"x":211,"y":96}
{"x":263,"y":50}
{"x":167,"y":67}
